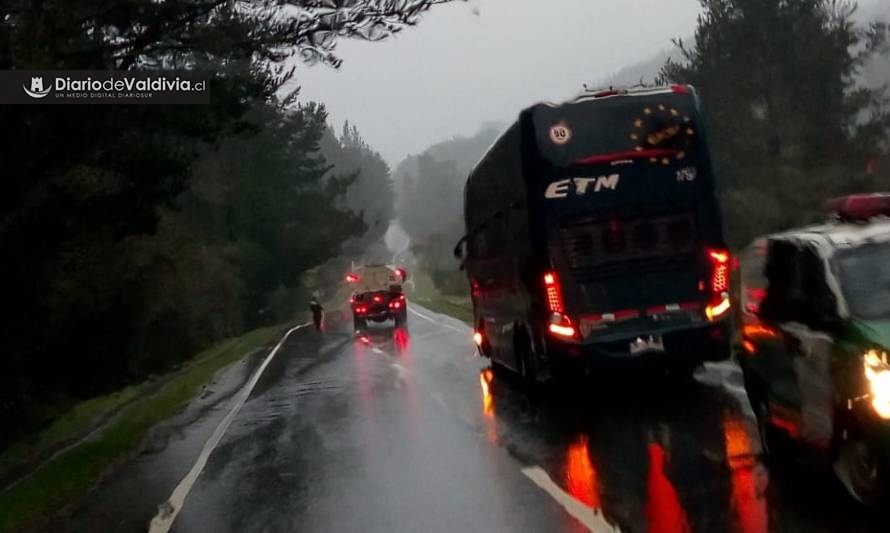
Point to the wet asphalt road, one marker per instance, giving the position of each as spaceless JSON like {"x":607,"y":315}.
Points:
{"x":397,"y":431}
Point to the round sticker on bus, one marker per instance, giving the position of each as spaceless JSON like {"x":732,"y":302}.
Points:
{"x":560,"y":133}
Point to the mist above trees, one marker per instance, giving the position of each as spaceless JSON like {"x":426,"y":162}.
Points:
{"x":789,"y":123}
{"x":430,"y":202}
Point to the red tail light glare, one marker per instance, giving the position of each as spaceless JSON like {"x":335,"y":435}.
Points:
{"x":680,"y":89}
{"x":378,"y":298}
{"x":562,"y":331}
{"x":758,"y":330}
{"x":352,"y":278}
{"x":395,"y":304}
{"x":714,"y":312}
{"x":606,"y":93}
{"x":561,"y":326}
{"x":720,"y":256}
{"x":720,"y":271}
{"x":403,"y":274}
{"x":554,"y":292}
{"x":477,"y":338}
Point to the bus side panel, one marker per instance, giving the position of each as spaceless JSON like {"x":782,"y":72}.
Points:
{"x":497,"y":227}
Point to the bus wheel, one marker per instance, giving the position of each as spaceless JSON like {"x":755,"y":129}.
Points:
{"x":682,"y":369}
{"x":525,"y":362}
{"x":759,"y":399}
{"x":858,"y":469}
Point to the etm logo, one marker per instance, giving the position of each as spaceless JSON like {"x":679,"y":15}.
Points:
{"x":37,"y":90}
{"x":561,"y":188}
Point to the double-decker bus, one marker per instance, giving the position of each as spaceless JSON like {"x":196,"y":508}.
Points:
{"x":593,"y":233}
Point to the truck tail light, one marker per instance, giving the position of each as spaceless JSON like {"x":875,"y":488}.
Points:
{"x":720,"y":302}
{"x":352,"y":278}
{"x":554,"y":292}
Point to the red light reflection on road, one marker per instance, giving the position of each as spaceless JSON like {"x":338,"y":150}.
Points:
{"x":663,"y":508}
{"x":748,"y":481}
{"x":581,"y":478}
{"x":400,"y":339}
{"x":485,"y":378}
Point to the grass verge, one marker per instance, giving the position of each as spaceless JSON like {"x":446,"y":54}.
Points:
{"x":72,"y":473}
{"x":426,"y":294}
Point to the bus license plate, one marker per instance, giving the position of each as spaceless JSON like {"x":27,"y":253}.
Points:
{"x":652,"y":343}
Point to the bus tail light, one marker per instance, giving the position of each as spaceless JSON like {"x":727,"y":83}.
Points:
{"x":477,"y":338}
{"x":561,"y":326}
{"x":720,"y":303}
{"x":554,"y":292}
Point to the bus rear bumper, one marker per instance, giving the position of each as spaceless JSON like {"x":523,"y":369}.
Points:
{"x":695,"y":345}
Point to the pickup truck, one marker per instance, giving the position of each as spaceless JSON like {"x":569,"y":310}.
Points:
{"x":377,"y":295}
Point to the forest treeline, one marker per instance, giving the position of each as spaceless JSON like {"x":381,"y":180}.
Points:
{"x":797,"y":112}
{"x":134,"y":235}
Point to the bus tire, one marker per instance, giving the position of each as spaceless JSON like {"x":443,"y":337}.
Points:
{"x":526,"y":362}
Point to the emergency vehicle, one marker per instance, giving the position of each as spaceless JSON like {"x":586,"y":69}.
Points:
{"x":816,"y":338}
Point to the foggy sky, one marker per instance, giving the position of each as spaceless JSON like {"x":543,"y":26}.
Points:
{"x":468,"y":63}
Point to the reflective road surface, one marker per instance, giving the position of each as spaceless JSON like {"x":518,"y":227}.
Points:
{"x":406,"y":430}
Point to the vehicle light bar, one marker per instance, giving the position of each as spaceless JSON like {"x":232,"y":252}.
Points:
{"x":681,"y":89}
{"x":860,"y":206}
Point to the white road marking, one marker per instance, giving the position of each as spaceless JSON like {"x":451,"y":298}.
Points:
{"x":163,"y":521}
{"x":434,"y":321}
{"x":591,"y":518}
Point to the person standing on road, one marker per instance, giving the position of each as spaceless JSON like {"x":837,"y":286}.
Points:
{"x":317,"y":313}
